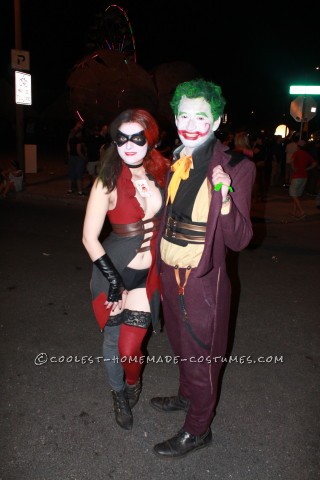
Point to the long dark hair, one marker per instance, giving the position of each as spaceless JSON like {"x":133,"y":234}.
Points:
{"x":154,"y":163}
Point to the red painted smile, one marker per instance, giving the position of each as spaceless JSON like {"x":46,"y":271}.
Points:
{"x":192,"y":135}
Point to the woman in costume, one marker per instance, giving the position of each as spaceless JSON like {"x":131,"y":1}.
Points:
{"x":125,"y":283}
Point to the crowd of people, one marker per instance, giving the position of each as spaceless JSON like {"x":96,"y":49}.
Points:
{"x":278,"y":164}
{"x":272,"y":155}
{"x":84,"y":148}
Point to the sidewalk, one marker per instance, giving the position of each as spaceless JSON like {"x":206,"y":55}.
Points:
{"x":50,"y":184}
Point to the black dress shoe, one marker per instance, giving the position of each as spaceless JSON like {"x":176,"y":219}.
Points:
{"x":182,"y":444}
{"x":170,"y":404}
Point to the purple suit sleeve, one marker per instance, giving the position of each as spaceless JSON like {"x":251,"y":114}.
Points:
{"x":236,"y":225}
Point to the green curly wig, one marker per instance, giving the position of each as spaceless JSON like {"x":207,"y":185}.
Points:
{"x":196,"y":89}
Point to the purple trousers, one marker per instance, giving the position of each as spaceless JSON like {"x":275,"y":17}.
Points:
{"x":197,"y":328}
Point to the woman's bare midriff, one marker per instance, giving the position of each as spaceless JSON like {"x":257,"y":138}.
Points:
{"x":150,"y":205}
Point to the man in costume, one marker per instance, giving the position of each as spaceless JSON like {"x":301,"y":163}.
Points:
{"x":207,"y":212}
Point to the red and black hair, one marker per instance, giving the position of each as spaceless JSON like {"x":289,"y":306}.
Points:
{"x":154,"y":163}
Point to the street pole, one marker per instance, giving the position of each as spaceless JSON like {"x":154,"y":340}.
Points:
{"x":302,"y":117}
{"x":19,"y":108}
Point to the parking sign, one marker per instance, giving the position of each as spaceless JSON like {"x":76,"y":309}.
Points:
{"x":23,"y":88}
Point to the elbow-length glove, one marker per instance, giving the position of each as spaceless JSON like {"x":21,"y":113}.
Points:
{"x":109,"y":271}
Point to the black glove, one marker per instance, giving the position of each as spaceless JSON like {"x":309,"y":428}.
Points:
{"x":107,"y":269}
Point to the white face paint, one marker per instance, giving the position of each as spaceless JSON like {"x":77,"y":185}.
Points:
{"x":195,"y":122}
{"x":130,"y":152}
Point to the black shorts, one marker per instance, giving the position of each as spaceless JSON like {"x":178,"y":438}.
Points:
{"x":134,"y":278}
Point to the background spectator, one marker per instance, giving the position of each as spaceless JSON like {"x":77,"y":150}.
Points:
{"x":277,"y":152}
{"x":77,"y":158}
{"x":11,"y":179}
{"x":242,"y":144}
{"x":291,"y":147}
{"x":259,"y":158}
{"x":301,"y":163}
{"x":96,"y":138}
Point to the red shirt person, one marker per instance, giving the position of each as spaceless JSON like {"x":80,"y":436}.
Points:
{"x":302,"y":161}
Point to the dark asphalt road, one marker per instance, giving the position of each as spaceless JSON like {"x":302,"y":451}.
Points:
{"x":56,"y":419}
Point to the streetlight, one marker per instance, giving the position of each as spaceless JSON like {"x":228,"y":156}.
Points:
{"x":305,"y":89}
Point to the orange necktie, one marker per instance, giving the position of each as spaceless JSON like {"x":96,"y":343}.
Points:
{"x":181,"y":169}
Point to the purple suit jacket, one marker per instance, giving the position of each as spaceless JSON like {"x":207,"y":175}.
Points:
{"x":224,"y":232}
{"x":232,"y":231}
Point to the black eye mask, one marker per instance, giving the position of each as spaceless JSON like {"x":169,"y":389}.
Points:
{"x":137,"y":138}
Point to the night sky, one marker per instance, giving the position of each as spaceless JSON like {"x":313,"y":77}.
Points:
{"x":253,"y":52}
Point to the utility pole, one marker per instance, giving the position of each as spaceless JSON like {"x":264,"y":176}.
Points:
{"x":19,"y":108}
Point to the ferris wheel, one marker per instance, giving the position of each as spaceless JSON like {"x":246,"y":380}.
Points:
{"x":113,"y":31}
